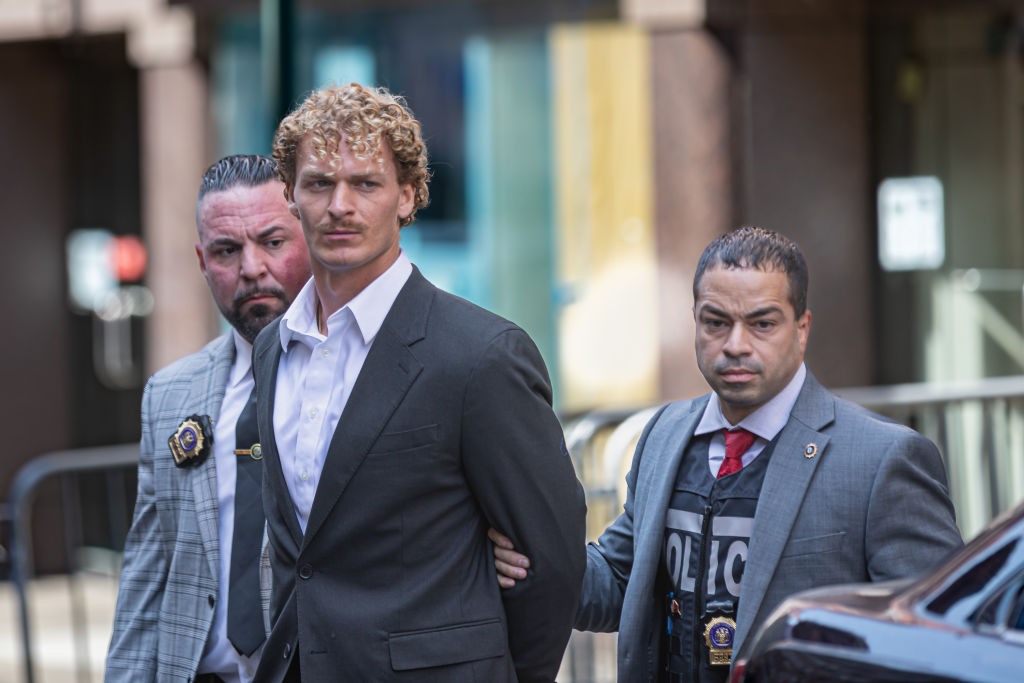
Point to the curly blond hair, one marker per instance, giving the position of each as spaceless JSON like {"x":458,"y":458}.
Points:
{"x":364,"y":116}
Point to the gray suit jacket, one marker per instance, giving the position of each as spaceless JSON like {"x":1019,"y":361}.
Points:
{"x":871,"y":505}
{"x":448,"y":430}
{"x":168,"y":588}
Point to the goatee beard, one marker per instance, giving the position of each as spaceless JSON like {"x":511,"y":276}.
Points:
{"x":250,"y":323}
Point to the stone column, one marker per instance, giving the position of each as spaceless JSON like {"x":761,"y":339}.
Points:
{"x":173,"y":91}
{"x":694,"y":178}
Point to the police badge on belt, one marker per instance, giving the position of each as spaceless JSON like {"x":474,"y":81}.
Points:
{"x":719,"y":633}
{"x":191,"y":442}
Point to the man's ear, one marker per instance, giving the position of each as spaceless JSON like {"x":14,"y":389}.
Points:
{"x":406,"y":200}
{"x":202,"y":261}
{"x":289,"y":195}
{"x":803,"y":328}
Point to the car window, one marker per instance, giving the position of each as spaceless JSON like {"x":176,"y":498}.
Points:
{"x":971,"y":581}
{"x":1004,"y":610}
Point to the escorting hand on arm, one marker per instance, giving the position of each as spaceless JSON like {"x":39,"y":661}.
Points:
{"x":510,"y":564}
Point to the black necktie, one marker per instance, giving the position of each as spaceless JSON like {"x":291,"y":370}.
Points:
{"x":245,"y":615}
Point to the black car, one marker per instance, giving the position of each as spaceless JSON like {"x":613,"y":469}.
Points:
{"x":962,"y":622}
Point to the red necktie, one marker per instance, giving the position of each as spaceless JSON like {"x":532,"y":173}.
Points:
{"x":737,"y":442}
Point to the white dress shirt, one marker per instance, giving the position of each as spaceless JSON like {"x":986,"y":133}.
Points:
{"x":316,"y":375}
{"x":765,"y":422}
{"x":219,"y":655}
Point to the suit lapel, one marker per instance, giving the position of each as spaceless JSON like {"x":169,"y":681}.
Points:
{"x":210,"y":387}
{"x":785,"y":483}
{"x":667,"y":442}
{"x":266,"y":357}
{"x":388,"y":372}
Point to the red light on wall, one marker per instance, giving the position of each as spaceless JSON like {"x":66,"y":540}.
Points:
{"x":129,"y":258}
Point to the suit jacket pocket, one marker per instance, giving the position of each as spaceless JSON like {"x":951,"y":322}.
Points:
{"x":813,"y":545}
{"x":405,"y":440}
{"x":446,"y":645}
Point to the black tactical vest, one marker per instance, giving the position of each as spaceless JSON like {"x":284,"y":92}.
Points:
{"x":707,"y":533}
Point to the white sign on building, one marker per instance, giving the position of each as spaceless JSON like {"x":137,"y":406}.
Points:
{"x":911,"y":229}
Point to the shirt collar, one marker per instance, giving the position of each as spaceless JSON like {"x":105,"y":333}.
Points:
{"x":242,"y":366}
{"x":767,"y":421}
{"x":368,"y":308}
{"x":371,"y":306}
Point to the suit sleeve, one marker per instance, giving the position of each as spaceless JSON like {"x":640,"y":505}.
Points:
{"x":610,"y":559}
{"x":133,"y":645}
{"x":515,"y":460}
{"x":911,"y":524}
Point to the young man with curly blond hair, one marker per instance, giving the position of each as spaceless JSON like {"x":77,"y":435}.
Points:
{"x":398,"y":422}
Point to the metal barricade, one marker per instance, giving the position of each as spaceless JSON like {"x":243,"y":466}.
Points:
{"x":979,"y":429}
{"x":113,"y":461}
{"x":978,"y":426}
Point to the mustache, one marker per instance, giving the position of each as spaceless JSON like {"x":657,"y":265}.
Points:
{"x":730,"y":365}
{"x":344,"y":223}
{"x":257,"y":291}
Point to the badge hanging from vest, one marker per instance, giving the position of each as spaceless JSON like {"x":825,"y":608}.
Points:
{"x":719,"y":633}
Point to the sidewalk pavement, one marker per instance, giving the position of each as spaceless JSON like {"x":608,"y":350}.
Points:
{"x":56,"y":652}
{"x":52,"y":627}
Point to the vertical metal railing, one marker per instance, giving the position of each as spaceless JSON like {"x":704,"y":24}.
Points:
{"x":114,"y":461}
{"x":978,"y":426}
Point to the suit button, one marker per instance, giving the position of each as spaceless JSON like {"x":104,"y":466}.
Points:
{"x":287,"y":650}
{"x":306,"y":571}
{"x":209,"y":598}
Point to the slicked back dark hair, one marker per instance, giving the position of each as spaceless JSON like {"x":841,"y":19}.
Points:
{"x":752,"y":247}
{"x":247,"y":170}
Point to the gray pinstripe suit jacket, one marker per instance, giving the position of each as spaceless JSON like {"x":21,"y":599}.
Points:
{"x":168,"y":589}
{"x":871,"y":505}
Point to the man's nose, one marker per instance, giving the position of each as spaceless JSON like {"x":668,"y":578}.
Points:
{"x":341,"y":200}
{"x":253,"y":265}
{"x":738,"y":341}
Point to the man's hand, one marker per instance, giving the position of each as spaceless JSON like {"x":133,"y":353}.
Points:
{"x":510,"y":564}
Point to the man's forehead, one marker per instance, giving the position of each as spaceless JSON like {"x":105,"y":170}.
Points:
{"x":317,"y":154}
{"x":749,"y":282}
{"x":243,"y":206}
{"x":240,"y":193}
{"x":767,"y":270}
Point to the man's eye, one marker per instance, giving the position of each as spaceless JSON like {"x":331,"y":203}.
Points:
{"x":275,"y":242}
{"x":224,"y":251}
{"x":764,"y":324}
{"x":714,"y":324}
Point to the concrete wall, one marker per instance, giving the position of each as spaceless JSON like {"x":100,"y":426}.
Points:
{"x":807,"y":171}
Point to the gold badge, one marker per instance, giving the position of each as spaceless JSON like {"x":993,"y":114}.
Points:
{"x":810,"y":450}
{"x":719,"y":633}
{"x":191,"y":442}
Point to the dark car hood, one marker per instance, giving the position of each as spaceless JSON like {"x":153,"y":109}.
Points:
{"x":868,"y":599}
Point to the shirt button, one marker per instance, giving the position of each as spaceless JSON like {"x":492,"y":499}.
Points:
{"x":304,"y":476}
{"x":313,"y":412}
{"x":325,"y":352}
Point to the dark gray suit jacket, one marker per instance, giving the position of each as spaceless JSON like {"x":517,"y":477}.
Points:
{"x":871,"y":504}
{"x":448,"y":430}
